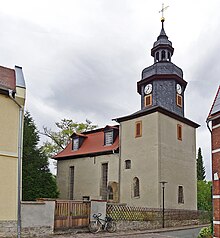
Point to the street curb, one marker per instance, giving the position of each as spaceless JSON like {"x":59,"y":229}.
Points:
{"x":131,"y":232}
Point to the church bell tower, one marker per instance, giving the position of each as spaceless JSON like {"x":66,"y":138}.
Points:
{"x":162,"y":84}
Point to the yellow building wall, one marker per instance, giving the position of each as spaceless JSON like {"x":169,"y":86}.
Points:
{"x":9,"y":127}
{"x":9,"y":132}
{"x":8,"y":185}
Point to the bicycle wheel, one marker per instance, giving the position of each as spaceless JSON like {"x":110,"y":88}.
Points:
{"x":111,"y":226}
{"x":94,"y":226}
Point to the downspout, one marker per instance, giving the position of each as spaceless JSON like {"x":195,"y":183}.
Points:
{"x":207,"y":123}
{"x":119,"y":165}
{"x":21,"y":111}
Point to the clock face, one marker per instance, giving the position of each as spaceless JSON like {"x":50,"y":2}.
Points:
{"x":178,"y":89}
{"x":148,"y":88}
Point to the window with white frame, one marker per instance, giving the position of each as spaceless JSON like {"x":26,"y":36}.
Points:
{"x":108,"y":138}
{"x":75,"y":143}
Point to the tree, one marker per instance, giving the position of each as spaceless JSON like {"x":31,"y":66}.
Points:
{"x":59,"y":139}
{"x":200,"y":166}
{"x":204,"y":195}
{"x":37,"y":181}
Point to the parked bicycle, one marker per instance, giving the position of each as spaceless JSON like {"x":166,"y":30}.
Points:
{"x":104,"y":224}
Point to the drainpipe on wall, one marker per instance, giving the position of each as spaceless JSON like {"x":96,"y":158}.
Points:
{"x":21,"y":111}
{"x":119,"y":169}
{"x":207,"y":123}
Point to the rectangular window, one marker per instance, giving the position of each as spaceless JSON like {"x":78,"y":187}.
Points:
{"x":71,"y":190}
{"x":109,"y":138}
{"x":104,"y":181}
{"x":86,"y":198}
{"x":138,"y":129}
{"x":75,"y":143}
{"x":180,"y":194}
{"x":179,"y":100}
{"x":127,"y":164}
{"x":179,"y":132}
{"x":148,"y":100}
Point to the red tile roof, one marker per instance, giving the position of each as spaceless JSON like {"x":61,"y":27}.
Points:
{"x":215,"y":106}
{"x":7,"y":78}
{"x":92,"y":145}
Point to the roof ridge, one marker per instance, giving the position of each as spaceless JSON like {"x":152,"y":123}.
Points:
{"x":210,"y":112}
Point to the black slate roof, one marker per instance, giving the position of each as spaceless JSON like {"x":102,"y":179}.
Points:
{"x":147,"y":111}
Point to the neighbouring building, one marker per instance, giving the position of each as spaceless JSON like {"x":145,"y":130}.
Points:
{"x":214,"y":120}
{"x":126,"y":163}
{"x":12,"y":99}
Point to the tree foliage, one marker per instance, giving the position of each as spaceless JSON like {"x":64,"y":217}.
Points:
{"x":37,"y":181}
{"x":200,"y":167}
{"x":204,"y":195}
{"x":59,"y":139}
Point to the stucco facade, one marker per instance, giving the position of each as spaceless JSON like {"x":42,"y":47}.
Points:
{"x":158,"y":156}
{"x":87,"y":176}
{"x":143,"y":153}
{"x":12,"y":90}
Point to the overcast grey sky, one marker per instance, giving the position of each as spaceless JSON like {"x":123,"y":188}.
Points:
{"x":83,"y":58}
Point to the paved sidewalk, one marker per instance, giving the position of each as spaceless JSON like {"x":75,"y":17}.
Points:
{"x":84,"y":233}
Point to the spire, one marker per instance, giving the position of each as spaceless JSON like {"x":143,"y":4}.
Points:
{"x":162,"y":32}
{"x":162,"y":49}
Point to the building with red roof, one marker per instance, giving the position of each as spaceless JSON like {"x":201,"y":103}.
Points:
{"x":85,"y":155}
{"x":213,"y":122}
{"x":127,"y":163}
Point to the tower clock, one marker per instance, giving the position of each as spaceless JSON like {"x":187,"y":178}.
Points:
{"x":162,"y":84}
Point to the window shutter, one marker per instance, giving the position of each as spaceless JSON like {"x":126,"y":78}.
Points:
{"x":179,"y":132}
{"x":138,"y":129}
{"x":179,"y":100}
{"x":148,"y":100}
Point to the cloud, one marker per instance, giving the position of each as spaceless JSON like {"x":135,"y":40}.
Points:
{"x":82,"y":59}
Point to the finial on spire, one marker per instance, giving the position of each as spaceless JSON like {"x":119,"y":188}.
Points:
{"x":162,"y":11}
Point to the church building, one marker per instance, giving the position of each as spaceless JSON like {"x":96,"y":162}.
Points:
{"x":129,"y":162}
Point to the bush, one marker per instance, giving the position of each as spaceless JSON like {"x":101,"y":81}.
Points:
{"x":205,"y":232}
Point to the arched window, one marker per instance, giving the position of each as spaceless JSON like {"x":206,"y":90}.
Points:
{"x":163,"y":55}
{"x":110,"y":193}
{"x":169,"y":57}
{"x":127,"y":164}
{"x":136,"y":187}
{"x":157,"y":56}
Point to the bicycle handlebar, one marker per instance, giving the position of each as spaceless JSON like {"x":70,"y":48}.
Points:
{"x":97,"y":215}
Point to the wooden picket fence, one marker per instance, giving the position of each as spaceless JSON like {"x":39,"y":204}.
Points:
{"x":71,"y":214}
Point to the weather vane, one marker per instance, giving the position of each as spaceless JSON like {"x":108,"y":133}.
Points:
{"x":162,"y":11}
